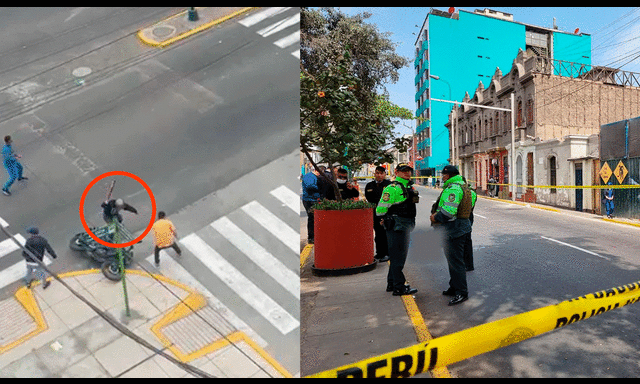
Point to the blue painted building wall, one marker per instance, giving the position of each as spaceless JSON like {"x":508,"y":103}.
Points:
{"x":464,"y":52}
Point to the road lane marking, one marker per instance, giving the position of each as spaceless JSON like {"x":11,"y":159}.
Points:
{"x":279,"y":26}
{"x":258,"y":17}
{"x":287,"y":197}
{"x":260,"y":256}
{"x":243,"y":287}
{"x":273,"y":224}
{"x":573,"y":246}
{"x":7,"y":246}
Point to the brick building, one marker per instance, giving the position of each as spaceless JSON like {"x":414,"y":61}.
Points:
{"x":554,"y":100}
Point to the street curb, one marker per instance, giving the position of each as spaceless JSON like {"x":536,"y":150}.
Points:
{"x":193,"y":302}
{"x":164,"y":43}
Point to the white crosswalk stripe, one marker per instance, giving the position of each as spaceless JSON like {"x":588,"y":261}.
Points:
{"x":277,"y":24}
{"x":258,"y":17}
{"x":280,"y":25}
{"x":287,"y":197}
{"x":242,"y":286}
{"x":273,"y":224}
{"x":260,"y":256}
{"x":242,"y":232}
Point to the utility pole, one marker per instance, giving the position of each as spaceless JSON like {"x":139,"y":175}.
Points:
{"x":512,"y":171}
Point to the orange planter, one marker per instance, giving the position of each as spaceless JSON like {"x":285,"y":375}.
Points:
{"x":343,"y":241}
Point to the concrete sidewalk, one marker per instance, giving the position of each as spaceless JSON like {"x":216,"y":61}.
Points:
{"x":51,"y":333}
{"x":178,"y":27}
{"x":349,"y":318}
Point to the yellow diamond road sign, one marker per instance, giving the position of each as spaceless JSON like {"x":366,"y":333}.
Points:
{"x":620,"y":172}
{"x":605,"y":173}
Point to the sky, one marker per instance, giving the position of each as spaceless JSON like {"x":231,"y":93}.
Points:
{"x":615,"y":34}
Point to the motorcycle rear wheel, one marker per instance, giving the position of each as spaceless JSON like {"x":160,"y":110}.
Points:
{"x":111,"y":270}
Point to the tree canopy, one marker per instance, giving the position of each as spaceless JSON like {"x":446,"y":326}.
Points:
{"x":345,"y":113}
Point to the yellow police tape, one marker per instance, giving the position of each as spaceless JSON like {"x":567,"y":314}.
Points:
{"x":625,"y":186}
{"x":449,"y":349}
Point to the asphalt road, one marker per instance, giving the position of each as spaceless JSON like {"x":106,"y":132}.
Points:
{"x":191,"y":120}
{"x":188,"y":119}
{"x":526,"y":258}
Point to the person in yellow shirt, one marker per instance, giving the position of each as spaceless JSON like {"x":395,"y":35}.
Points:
{"x":164,"y":236}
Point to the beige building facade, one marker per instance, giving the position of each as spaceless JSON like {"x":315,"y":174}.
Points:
{"x":559,"y":108}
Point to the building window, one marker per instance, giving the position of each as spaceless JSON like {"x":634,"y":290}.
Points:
{"x":519,"y":114}
{"x":552,"y":173}
{"x":530,"y":111}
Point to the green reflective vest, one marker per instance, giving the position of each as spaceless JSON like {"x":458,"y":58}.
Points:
{"x":392,"y":195}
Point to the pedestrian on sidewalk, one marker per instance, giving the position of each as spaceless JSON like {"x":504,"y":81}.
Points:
{"x":397,"y":212}
{"x":373,"y":193}
{"x":312,"y":192}
{"x":608,"y":201}
{"x":164,"y":236}
{"x":11,"y":164}
{"x":36,"y":244}
{"x":468,"y":242}
{"x":454,"y":209}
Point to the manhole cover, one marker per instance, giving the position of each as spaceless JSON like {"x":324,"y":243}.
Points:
{"x":163,"y":31}
{"x":81,"y":71}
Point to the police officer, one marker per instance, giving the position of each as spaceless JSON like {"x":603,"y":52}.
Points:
{"x":373,"y":193}
{"x":454,"y":208}
{"x":397,"y":212}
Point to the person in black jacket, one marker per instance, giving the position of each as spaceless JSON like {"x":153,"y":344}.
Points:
{"x":111,"y":210}
{"x":347,"y":190}
{"x":373,"y":193}
{"x":36,"y":244}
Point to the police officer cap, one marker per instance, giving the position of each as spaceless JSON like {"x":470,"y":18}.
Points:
{"x":403,"y":167}
{"x":33,"y":230}
{"x":450,"y":170}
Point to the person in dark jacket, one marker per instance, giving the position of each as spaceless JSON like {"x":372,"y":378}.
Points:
{"x":36,"y":244}
{"x":312,"y":192}
{"x":347,"y":190}
{"x":111,"y":210}
{"x":373,"y":193}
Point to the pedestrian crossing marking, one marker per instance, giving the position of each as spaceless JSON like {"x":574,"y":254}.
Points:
{"x":258,"y":17}
{"x":276,"y":27}
{"x":16,"y":272}
{"x":260,"y":256}
{"x":273,"y":224}
{"x":288,"y":40}
{"x":287,"y":197}
{"x":242,"y":286}
{"x":171,"y":268}
{"x":7,"y":246}
{"x":279,"y":26}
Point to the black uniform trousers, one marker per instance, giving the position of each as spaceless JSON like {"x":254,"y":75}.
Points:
{"x":454,"y":251}
{"x":382,"y":247}
{"x":398,"y":242}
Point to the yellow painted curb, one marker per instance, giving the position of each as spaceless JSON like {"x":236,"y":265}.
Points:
{"x":26,"y":298}
{"x":201,"y":28}
{"x":620,"y":222}
{"x":422,"y":332}
{"x":304,"y":255}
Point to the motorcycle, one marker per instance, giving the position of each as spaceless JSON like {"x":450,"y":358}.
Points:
{"x":106,"y":256}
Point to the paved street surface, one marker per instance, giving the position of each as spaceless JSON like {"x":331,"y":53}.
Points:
{"x":209,"y":123}
{"x":525,"y":258}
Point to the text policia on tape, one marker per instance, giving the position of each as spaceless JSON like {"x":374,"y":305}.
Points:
{"x":449,"y":349}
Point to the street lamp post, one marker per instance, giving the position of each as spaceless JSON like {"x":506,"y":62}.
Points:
{"x":513,"y":135}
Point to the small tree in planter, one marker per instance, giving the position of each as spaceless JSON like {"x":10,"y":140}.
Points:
{"x":344,"y":119}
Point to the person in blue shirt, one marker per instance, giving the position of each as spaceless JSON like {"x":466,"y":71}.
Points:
{"x":11,"y":163}
{"x":312,"y":192}
{"x":608,"y":201}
